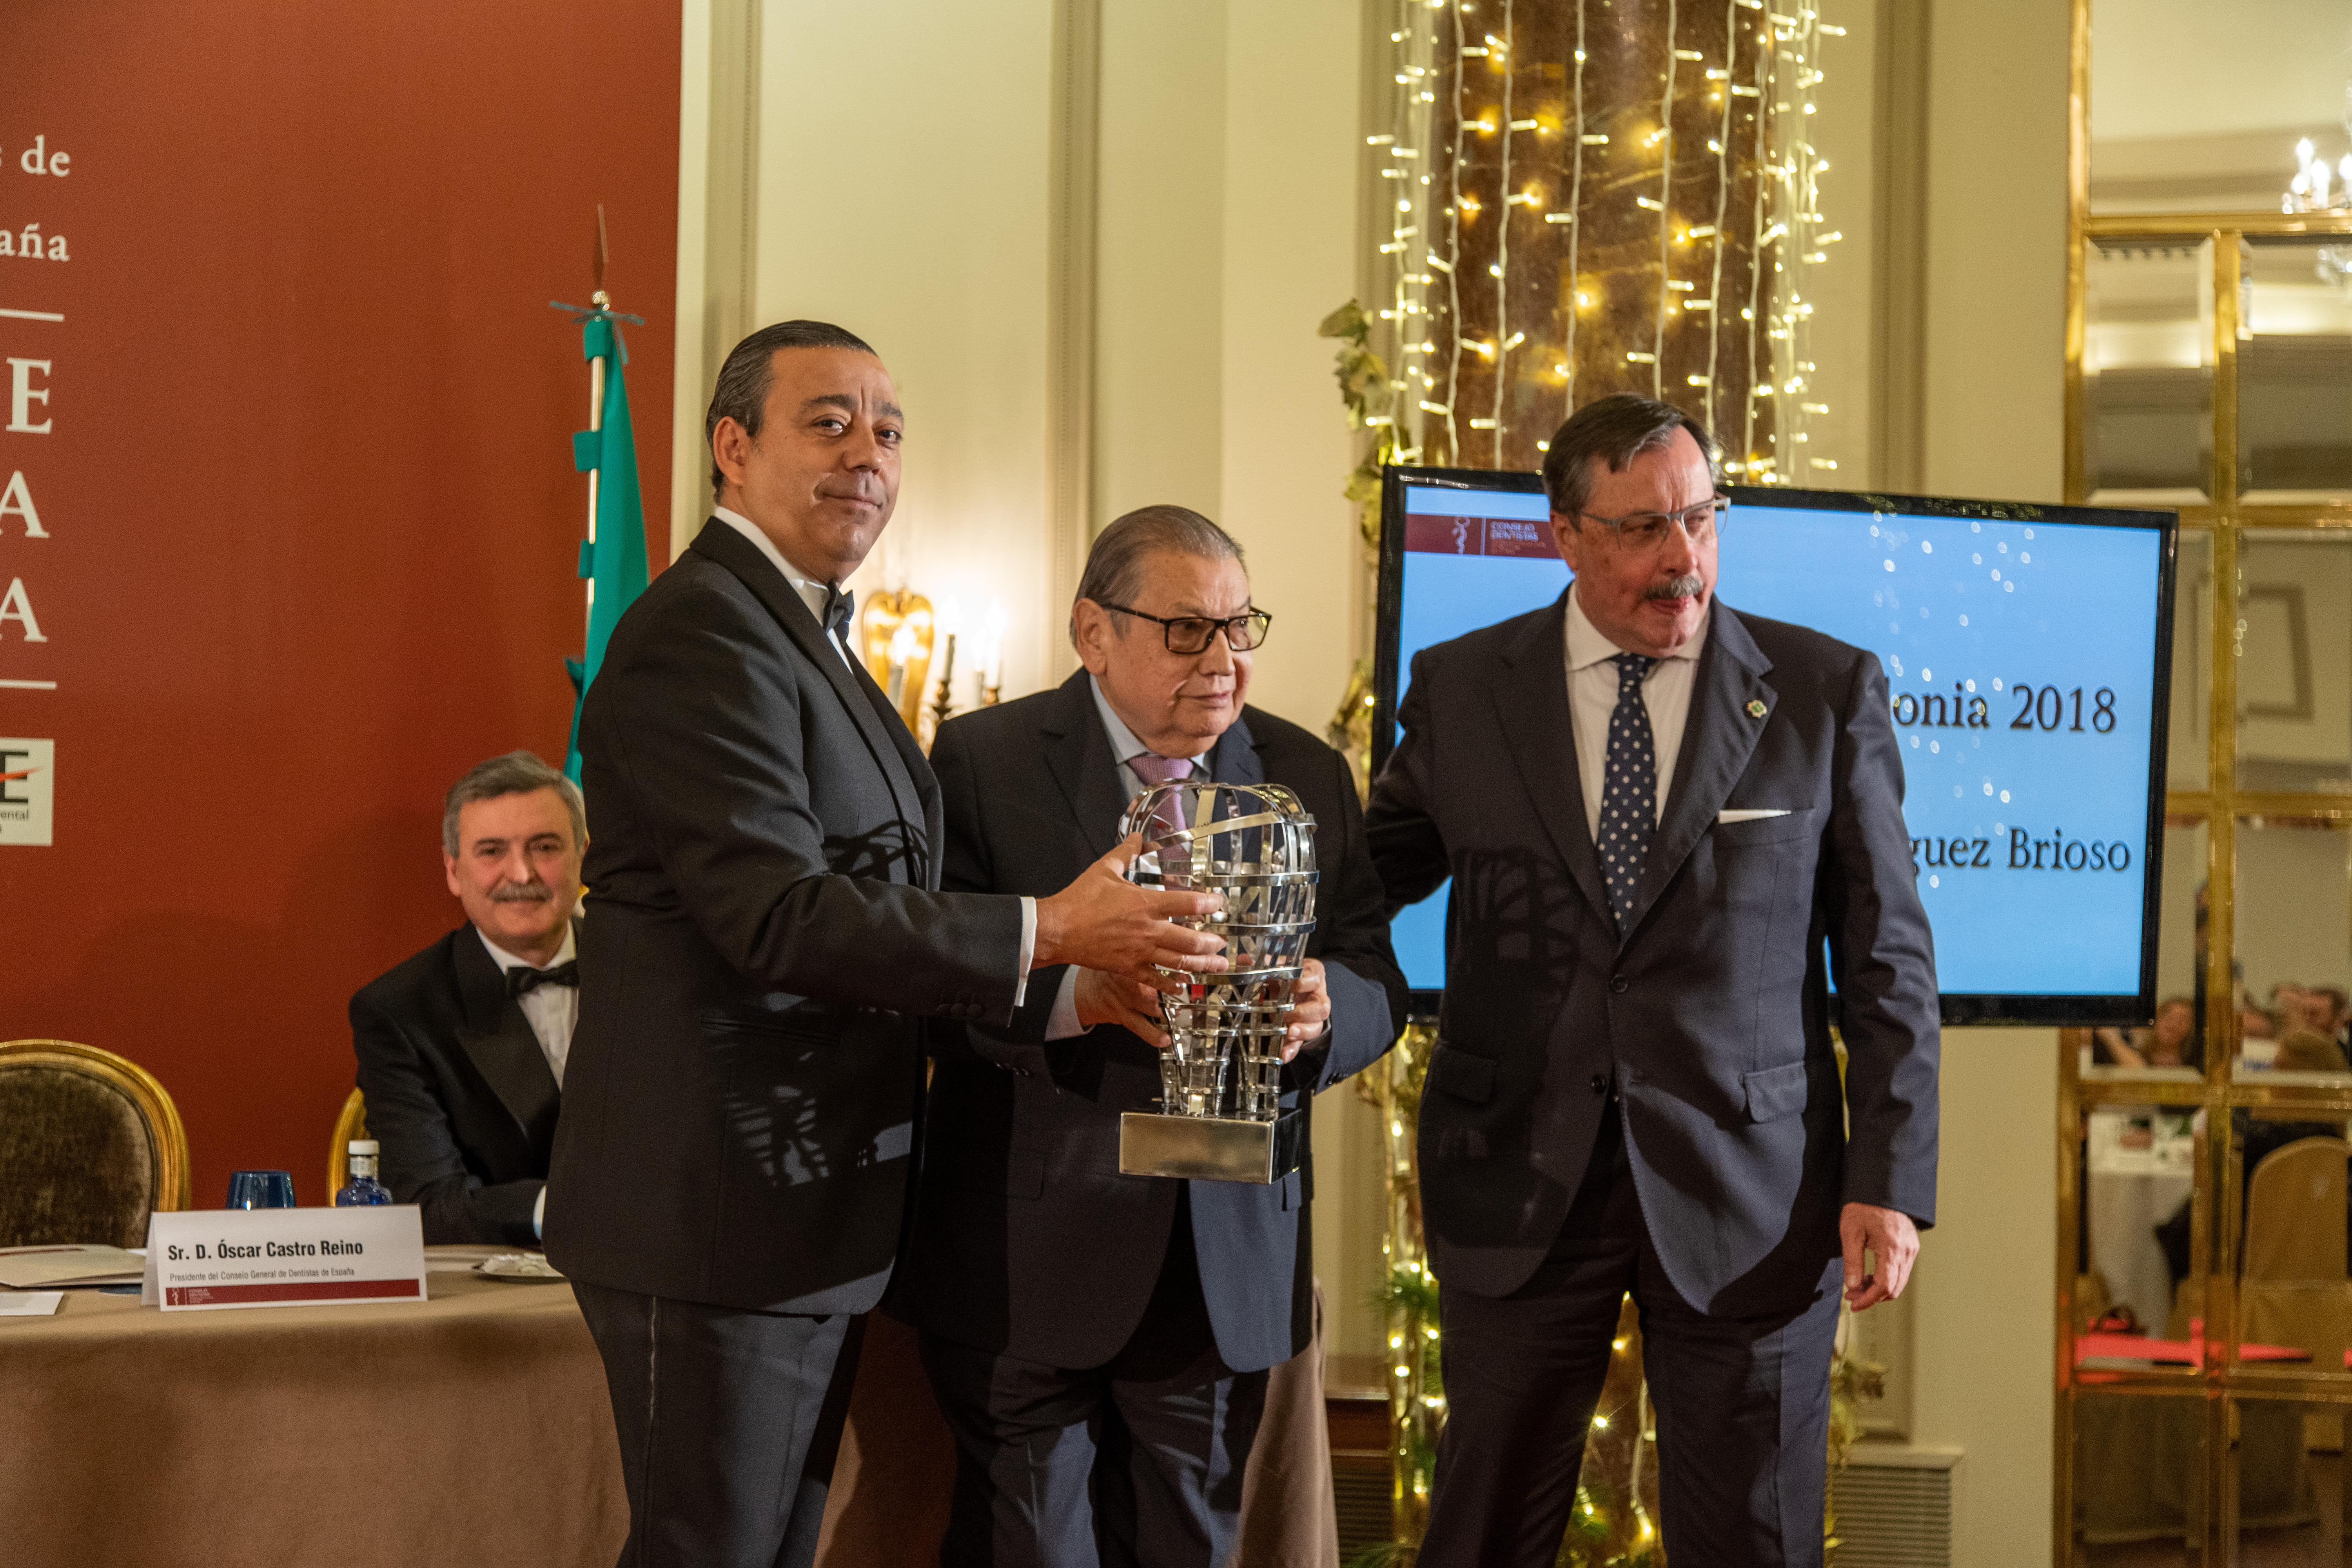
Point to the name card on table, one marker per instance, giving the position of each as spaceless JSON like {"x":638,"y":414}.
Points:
{"x":203,"y":1259}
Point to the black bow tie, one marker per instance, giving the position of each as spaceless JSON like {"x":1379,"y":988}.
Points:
{"x":839,"y":608}
{"x":522,"y":979}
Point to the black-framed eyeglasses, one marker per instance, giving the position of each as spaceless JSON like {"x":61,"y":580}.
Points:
{"x":1191,"y":634}
{"x":1643,"y":532}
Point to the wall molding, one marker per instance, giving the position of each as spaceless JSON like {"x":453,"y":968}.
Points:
{"x":718,"y":213}
{"x":1898,"y":293}
{"x":1075,"y":139}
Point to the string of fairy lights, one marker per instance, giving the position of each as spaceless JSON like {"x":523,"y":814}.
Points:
{"x":1435,"y":159}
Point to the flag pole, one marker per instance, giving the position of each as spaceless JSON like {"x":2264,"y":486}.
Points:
{"x":602,"y":301}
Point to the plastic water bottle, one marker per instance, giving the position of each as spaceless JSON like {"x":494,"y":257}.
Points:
{"x":362,"y":1189}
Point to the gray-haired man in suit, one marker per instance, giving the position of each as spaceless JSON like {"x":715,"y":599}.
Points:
{"x":1100,"y":1342}
{"x":766,"y":937}
{"x":1658,"y":813}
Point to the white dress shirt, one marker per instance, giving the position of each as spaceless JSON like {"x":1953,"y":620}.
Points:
{"x":1124,"y":746}
{"x":813,"y":594}
{"x":553,"y":1010}
{"x":1592,"y":697}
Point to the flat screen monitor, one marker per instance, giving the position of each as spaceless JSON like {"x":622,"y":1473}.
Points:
{"x":2025,"y":653}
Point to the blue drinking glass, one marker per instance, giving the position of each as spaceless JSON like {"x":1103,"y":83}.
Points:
{"x":261,"y":1190}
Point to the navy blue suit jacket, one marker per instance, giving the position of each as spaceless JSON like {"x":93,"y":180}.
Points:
{"x":1027,"y":1240}
{"x":1710,"y":1012}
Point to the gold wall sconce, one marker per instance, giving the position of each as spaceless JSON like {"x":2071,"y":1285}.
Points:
{"x":895,"y":628}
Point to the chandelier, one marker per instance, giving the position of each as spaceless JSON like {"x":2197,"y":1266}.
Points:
{"x":2317,"y":188}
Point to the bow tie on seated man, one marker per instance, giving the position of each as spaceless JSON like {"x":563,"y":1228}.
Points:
{"x":461,"y":1048}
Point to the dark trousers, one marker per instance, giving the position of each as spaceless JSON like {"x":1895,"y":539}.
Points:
{"x":1136,"y":1462}
{"x":729,"y":1423}
{"x":1742,"y":1403}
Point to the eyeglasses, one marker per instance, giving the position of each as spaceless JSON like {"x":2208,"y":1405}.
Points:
{"x":1191,"y":634}
{"x":1642,"y":532}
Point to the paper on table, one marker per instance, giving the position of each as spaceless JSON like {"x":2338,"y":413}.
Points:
{"x":24,"y":1267}
{"x":30,"y":1303}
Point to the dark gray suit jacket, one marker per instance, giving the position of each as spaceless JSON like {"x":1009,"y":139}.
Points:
{"x":459,"y":1092}
{"x":1711,"y":1014}
{"x":763,"y":941}
{"x":1028,"y":1241}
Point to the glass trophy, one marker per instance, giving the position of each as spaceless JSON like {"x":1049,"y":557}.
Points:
{"x":1221,"y":1116}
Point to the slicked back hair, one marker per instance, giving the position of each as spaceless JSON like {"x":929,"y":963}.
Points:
{"x":1613,"y":430}
{"x":1114,"y":560}
{"x":750,"y":372}
{"x":517,"y":773}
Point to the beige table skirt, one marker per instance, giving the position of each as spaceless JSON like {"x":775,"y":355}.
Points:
{"x":472,"y":1428}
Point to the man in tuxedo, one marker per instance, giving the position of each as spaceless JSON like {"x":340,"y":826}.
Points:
{"x":461,"y":1048}
{"x":1099,"y":1342}
{"x":1657,"y":813}
{"x":766,"y":938}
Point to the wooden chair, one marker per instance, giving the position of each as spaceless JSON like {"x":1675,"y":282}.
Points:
{"x":90,"y":1145}
{"x":349,"y":1123}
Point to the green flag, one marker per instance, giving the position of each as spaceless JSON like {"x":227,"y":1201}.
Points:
{"x":613,"y":558}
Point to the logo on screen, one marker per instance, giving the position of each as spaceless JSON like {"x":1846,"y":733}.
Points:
{"x":1462,"y":537}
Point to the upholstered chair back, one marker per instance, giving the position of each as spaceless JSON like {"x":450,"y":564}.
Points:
{"x":89,"y":1146}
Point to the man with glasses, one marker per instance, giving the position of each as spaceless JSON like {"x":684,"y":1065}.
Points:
{"x":1099,"y":1343}
{"x":1669,"y":826}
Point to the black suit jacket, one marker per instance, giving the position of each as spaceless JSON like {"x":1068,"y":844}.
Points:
{"x":1028,"y":1241}
{"x":1711,"y":1012}
{"x":763,"y":939}
{"x":458,"y":1093}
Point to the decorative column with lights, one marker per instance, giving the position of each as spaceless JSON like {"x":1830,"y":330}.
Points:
{"x":1592,"y":197}
{"x":1583,"y":197}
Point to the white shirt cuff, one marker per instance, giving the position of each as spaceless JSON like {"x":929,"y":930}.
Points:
{"x":1028,"y":950}
{"x":539,"y":1216}
{"x":1063,"y":1022}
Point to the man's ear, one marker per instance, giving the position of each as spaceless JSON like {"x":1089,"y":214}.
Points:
{"x":449,"y":874}
{"x":1567,"y":538}
{"x":731,"y":449}
{"x":1091,"y":631}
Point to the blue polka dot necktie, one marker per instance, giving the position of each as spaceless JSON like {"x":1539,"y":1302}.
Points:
{"x":1628,"y":797}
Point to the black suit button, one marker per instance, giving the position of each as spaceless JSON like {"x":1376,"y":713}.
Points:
{"x":1600,"y":1083}
{"x":1620,"y":984}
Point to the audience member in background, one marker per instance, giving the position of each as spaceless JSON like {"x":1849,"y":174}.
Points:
{"x":2338,"y":1026}
{"x":2170,"y":1044}
{"x":461,"y":1048}
{"x":2299,"y":1050}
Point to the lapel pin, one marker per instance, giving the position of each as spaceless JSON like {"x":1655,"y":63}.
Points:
{"x":1755,"y":708}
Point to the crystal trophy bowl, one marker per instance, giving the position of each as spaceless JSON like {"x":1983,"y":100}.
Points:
{"x":1220,"y":1114}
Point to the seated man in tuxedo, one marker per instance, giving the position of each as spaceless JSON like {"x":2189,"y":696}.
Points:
{"x":461,"y":1048}
{"x":1098,"y":1342}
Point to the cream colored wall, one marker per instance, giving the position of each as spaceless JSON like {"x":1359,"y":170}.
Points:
{"x":1996,"y":218}
{"x":909,"y":206}
{"x":1227,"y":229}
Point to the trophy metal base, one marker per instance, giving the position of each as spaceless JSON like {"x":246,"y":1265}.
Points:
{"x":1210,"y":1149}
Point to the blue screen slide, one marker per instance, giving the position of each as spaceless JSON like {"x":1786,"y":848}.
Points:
{"x":2021,"y":668}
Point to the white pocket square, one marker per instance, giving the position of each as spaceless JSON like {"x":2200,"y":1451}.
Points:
{"x":1721,"y":816}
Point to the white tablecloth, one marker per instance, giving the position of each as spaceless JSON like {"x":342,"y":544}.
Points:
{"x":2131,"y":1192}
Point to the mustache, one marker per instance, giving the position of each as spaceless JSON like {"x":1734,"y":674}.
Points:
{"x":522,"y":893}
{"x":1686,"y":587}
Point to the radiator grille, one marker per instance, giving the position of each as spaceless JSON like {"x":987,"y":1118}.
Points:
{"x":1893,"y":1515}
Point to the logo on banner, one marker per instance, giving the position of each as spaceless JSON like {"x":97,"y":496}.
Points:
{"x":29,"y":771}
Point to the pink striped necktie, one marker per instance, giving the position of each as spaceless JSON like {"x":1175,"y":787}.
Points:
{"x":1154,"y":769}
